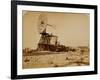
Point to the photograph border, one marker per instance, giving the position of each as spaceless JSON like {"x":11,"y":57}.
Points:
{"x":14,"y":35}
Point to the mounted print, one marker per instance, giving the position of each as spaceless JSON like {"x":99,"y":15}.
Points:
{"x":52,"y":39}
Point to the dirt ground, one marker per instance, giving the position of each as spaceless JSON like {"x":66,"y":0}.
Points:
{"x":55,"y":59}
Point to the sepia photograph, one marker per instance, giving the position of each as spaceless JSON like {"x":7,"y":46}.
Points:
{"x":55,"y":39}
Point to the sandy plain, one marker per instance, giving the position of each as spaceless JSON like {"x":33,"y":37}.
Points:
{"x":55,"y":59}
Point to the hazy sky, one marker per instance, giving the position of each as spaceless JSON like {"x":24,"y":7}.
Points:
{"x":72,"y":29}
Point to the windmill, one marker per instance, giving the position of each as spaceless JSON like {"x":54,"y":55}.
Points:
{"x":47,"y":42}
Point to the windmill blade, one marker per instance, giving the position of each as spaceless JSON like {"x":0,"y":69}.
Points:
{"x":53,"y":26}
{"x":42,"y":22}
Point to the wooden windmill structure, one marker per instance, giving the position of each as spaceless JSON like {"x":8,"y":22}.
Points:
{"x":47,"y":42}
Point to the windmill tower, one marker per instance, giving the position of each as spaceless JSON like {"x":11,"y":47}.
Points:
{"x":47,"y":42}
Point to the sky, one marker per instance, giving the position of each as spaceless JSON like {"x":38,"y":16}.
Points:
{"x":72,"y":29}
